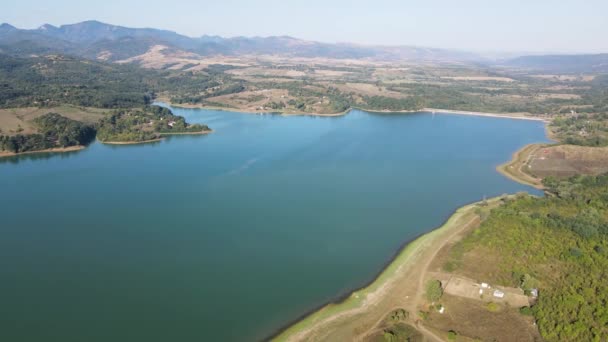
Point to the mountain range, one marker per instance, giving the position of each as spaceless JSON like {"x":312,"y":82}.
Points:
{"x":97,"y":40}
{"x":93,"y":39}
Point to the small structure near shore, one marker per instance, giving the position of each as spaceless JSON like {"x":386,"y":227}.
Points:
{"x":468,"y":288}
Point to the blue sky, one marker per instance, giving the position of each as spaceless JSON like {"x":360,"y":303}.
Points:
{"x":516,"y":25}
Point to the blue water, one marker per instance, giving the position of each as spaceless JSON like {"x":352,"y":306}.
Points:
{"x":229,"y":236}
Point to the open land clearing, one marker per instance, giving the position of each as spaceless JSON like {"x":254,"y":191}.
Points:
{"x":534,"y":162}
{"x":19,"y":120}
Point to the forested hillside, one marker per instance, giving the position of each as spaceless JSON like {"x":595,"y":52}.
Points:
{"x":558,"y":244}
{"x":54,"y":80}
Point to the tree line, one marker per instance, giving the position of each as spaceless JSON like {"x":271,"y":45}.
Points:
{"x":54,"y":131}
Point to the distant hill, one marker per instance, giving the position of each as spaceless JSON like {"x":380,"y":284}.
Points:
{"x":94,"y":39}
{"x":562,"y":63}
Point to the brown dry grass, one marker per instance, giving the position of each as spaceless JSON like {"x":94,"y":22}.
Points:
{"x":252,"y":100}
{"x":160,"y":56}
{"x":568,"y":160}
{"x":584,"y":78}
{"x":479,"y":78}
{"x":266,"y":72}
{"x":368,"y":89}
{"x":472,"y":319}
{"x":13,"y":118}
{"x":560,"y":96}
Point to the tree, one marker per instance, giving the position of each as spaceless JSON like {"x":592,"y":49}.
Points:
{"x":434,"y":291}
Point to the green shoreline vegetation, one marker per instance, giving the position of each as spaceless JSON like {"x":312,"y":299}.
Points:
{"x":56,"y":133}
{"x":144,"y":125}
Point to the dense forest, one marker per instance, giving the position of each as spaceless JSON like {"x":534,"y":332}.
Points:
{"x":54,"y":80}
{"x":559,"y":244}
{"x":54,"y":131}
{"x":141,"y":124}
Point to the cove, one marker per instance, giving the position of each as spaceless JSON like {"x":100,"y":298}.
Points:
{"x":231,"y":236}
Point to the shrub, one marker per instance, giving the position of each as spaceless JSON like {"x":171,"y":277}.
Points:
{"x":493,"y":307}
{"x":434,"y":291}
{"x":525,"y":310}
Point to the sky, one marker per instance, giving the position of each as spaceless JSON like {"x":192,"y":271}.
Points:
{"x":543,"y":26}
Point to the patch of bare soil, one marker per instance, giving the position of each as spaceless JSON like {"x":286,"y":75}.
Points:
{"x":568,"y":160}
{"x":473,"y":319}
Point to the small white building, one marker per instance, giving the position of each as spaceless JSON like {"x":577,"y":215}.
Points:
{"x":442,"y":310}
{"x":534,"y":293}
{"x":484,"y":285}
{"x":498,"y":294}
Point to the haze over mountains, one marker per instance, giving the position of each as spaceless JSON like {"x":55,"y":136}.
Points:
{"x":96,"y":40}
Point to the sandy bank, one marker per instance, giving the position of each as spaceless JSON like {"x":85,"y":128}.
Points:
{"x":518,"y":116}
{"x":130,"y":142}
{"x":153,"y":140}
{"x":514,"y":169}
{"x":48,"y":150}
{"x":188,"y":133}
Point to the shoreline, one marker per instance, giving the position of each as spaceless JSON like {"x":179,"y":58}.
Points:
{"x":163,"y":135}
{"x":48,"y":150}
{"x":354,"y":302}
{"x":522,"y":116}
{"x":188,"y":133}
{"x":512,"y":169}
{"x":492,"y":115}
{"x":244,"y":111}
{"x":130,"y":142}
{"x":4,"y":154}
{"x":351,"y":302}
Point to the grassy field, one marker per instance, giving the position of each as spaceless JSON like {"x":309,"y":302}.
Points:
{"x":19,"y":120}
{"x":534,"y":162}
{"x":568,"y":160}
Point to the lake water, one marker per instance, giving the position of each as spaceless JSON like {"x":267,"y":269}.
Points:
{"x":229,"y":236}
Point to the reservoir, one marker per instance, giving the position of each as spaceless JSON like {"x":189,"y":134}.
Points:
{"x":231,"y":235}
